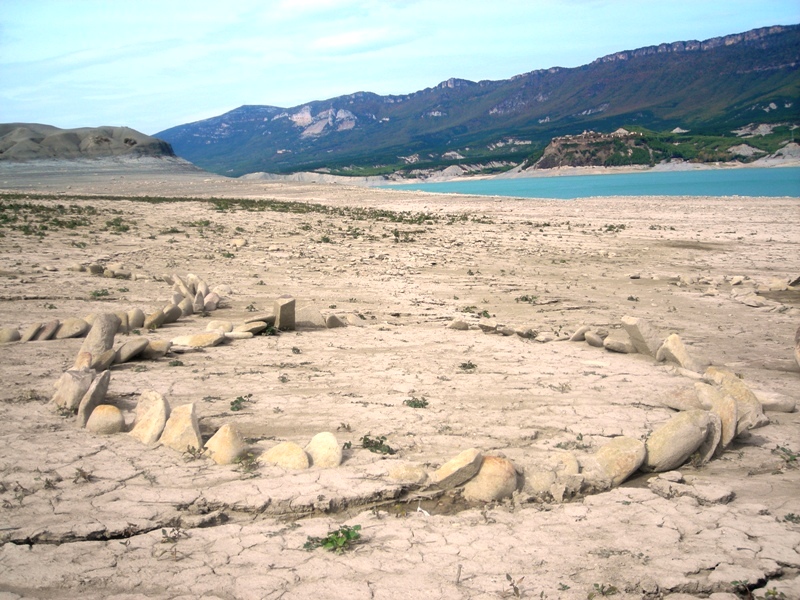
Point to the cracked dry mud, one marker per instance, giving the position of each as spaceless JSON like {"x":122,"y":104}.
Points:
{"x":89,"y":516}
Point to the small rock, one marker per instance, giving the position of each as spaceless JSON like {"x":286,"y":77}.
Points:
{"x":252,"y":328}
{"x":124,"y":327}
{"x":96,"y":269}
{"x":154,"y":320}
{"x":413,"y":474}
{"x":644,"y":338}
{"x":684,"y":399}
{"x":202,"y":287}
{"x":130,"y":350}
{"x":458,"y":325}
{"x":238,"y":335}
{"x":106,"y":420}
{"x":72,"y":328}
{"x":324,"y":450}
{"x":71,"y":387}
{"x":674,"y":351}
{"x":152,"y":412}
{"x":226,"y":445}
{"x":172,"y":312}
{"x":93,"y":397}
{"x":47,"y":331}
{"x":284,"y":313}
{"x":267,"y":318}
{"x":775,"y":402}
{"x":187,"y":307}
{"x":156,"y":349}
{"x":457,"y":471}
{"x":217,"y":325}
{"x":210,"y":301}
{"x":737,"y":280}
{"x":593,"y":339}
{"x":199,"y":340}
{"x":545,"y":480}
{"x":135,"y":318}
{"x":104,"y":360}
{"x":496,"y":479}
{"x":619,"y":341}
{"x":705,"y":494}
{"x":287,"y":455}
{"x":182,"y":430}
{"x":222,"y":290}
{"x":30,"y":332}
{"x":620,"y":458}
{"x":334,"y":322}
{"x":9,"y":334}
{"x":544,"y":337}
{"x":671,"y":444}
{"x":580,"y":334}
{"x":751,"y":414}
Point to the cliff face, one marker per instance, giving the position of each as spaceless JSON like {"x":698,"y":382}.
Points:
{"x":714,"y":86}
{"x":32,"y":141}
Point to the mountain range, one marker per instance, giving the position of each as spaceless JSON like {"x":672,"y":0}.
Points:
{"x":709,"y":87}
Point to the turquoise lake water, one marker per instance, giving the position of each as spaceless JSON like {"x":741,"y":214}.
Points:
{"x":784,"y":181}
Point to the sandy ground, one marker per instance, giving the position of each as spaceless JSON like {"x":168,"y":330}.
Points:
{"x":151,"y":523}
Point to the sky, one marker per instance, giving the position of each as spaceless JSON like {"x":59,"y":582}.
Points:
{"x":151,"y":65}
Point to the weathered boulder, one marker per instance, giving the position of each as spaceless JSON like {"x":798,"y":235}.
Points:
{"x":154,"y":320}
{"x":286,"y":455}
{"x":72,"y":328}
{"x":724,"y":407}
{"x":620,"y":458}
{"x":9,"y":334}
{"x":199,"y":340}
{"x":226,"y":445}
{"x":674,"y":351}
{"x":135,"y":318}
{"x":593,"y":339}
{"x":93,"y":397}
{"x":309,"y":317}
{"x":496,"y":479}
{"x":104,"y":360}
{"x":187,"y":306}
{"x":218,"y":325}
{"x":47,"y":331}
{"x":198,"y":305}
{"x":333,"y":322}
{"x":324,"y":450}
{"x":457,"y":471}
{"x":100,"y":338}
{"x":106,"y":420}
{"x":751,"y":414}
{"x":130,"y":350}
{"x":182,"y":430}
{"x":458,"y":325}
{"x":172,"y":312}
{"x":152,"y":412}
{"x":619,"y":341}
{"x":644,"y":338}
{"x":156,"y":349}
{"x":775,"y":401}
{"x":551,"y":477}
{"x":671,"y":444}
{"x":71,"y":388}
{"x":210,"y":301}
{"x":409,"y":473}
{"x":29,"y":332}
{"x":284,"y":313}
{"x":124,"y":327}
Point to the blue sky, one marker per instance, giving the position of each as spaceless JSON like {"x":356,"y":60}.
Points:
{"x":151,"y":65}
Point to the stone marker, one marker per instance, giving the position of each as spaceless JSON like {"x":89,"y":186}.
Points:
{"x":751,"y":414}
{"x":135,"y":318}
{"x":286,"y":455}
{"x":309,"y":317}
{"x":674,"y":351}
{"x":712,"y":444}
{"x":124,"y":327}
{"x":106,"y":420}
{"x":619,"y":341}
{"x":198,"y":304}
{"x":202,"y":287}
{"x":152,"y":413}
{"x":93,"y":397}
{"x":47,"y":331}
{"x":334,"y":322}
{"x":182,"y":429}
{"x":324,"y":451}
{"x":644,"y":338}
{"x":284,"y":313}
{"x":715,"y":400}
{"x":130,"y":349}
{"x":210,"y":300}
{"x":620,"y":458}
{"x":100,"y":338}
{"x":156,"y":349}
{"x":670,"y":445}
{"x":71,"y":388}
{"x":187,"y":306}
{"x":9,"y":334}
{"x":226,"y":445}
{"x":580,"y":334}
{"x":72,"y":328}
{"x":199,"y":340}
{"x":30,"y":332}
{"x":496,"y":479}
{"x":457,"y":471}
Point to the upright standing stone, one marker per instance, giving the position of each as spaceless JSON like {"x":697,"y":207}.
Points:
{"x":101,"y":336}
{"x":187,"y":306}
{"x":182,"y":430}
{"x":210,"y":301}
{"x":152,"y":413}
{"x":226,"y":445}
{"x":135,"y":318}
{"x":198,"y":305}
{"x":284,"y":313}
{"x":71,"y":387}
{"x":93,"y":397}
{"x":644,"y":338}
{"x":124,"y":327}
{"x":324,"y":450}
{"x":674,"y":351}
